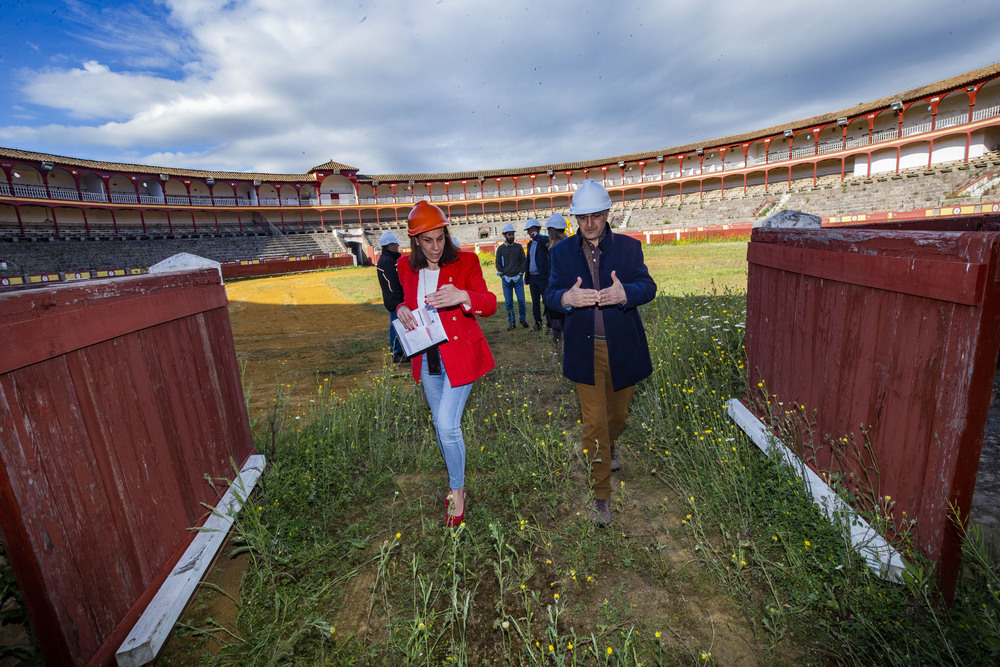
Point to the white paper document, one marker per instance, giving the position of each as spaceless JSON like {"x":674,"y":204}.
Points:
{"x":428,"y":333}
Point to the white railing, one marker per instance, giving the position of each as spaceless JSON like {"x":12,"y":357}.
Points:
{"x":64,"y":193}
{"x":951,"y":121}
{"x":830,"y":147}
{"x":988,"y":112}
{"x":32,"y":191}
{"x":917,"y":129}
{"x":777,"y":156}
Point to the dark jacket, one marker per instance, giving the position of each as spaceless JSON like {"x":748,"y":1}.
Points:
{"x":628,"y":351}
{"x":541,"y":257}
{"x":388,"y":280}
{"x":510,"y":259}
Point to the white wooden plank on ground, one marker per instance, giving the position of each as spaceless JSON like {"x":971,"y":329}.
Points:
{"x":151,"y":630}
{"x":882,"y":558}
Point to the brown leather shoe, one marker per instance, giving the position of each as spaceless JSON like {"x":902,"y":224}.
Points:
{"x":600,"y":514}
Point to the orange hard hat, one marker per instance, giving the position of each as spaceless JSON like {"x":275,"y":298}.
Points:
{"x":424,"y":217}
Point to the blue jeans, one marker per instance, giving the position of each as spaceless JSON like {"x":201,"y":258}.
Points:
{"x":394,"y":345}
{"x":509,"y":286}
{"x":447,"y":404}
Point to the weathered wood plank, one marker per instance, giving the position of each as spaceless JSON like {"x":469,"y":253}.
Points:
{"x":99,"y":441}
{"x":904,"y":328}
{"x":148,"y":636}
{"x":961,"y":282}
{"x":878,"y":554}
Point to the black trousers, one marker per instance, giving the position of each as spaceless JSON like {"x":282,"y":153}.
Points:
{"x":537,"y":285}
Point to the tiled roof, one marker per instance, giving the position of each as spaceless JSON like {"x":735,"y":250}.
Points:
{"x":332,"y":166}
{"x":857,"y":110}
{"x":119,"y":167}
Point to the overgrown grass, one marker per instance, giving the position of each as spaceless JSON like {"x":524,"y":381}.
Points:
{"x":715,"y":554}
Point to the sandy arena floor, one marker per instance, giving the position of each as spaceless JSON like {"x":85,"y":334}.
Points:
{"x":299,"y":332}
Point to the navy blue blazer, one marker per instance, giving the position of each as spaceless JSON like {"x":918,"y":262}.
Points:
{"x":541,"y":256}
{"x":628,"y":351}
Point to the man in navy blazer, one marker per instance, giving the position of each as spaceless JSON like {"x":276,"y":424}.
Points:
{"x":536,"y":271}
{"x":599,"y":279}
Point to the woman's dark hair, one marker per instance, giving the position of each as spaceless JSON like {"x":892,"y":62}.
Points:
{"x":555,"y":236}
{"x":417,"y":259}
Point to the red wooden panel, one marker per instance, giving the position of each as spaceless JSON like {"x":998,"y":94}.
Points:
{"x":108,"y":437}
{"x":893,"y":330}
{"x":284,"y":266}
{"x":61,"y":318}
{"x":935,"y":279}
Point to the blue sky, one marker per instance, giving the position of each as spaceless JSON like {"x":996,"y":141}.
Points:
{"x":445,"y":85}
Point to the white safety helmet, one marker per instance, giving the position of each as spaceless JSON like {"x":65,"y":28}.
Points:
{"x":387,"y":238}
{"x":555,"y":221}
{"x":532,"y":223}
{"x":508,"y":228}
{"x":590,"y":197}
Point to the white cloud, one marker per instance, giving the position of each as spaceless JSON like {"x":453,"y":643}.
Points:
{"x":439,"y":86}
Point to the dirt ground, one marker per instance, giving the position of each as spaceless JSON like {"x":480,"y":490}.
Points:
{"x":299,"y":333}
{"x":284,"y":329}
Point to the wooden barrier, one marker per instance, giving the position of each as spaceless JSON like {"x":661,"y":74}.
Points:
{"x":890,"y":334}
{"x":117,"y":398}
{"x":246,"y":269}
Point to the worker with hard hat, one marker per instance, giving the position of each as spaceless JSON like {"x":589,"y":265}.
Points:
{"x":536,"y":270}
{"x":510,"y":264}
{"x":599,"y":279}
{"x":392,"y":291}
{"x":555,"y":228}
{"x":438,"y":275}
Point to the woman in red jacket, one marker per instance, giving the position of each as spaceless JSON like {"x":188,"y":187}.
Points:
{"x":437,"y":274}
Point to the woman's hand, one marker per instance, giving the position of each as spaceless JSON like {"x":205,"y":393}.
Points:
{"x":405,"y":315}
{"x":448,"y":296}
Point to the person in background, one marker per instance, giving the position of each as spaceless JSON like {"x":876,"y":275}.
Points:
{"x":392,"y":291}
{"x":437,"y":274}
{"x":600,"y":279}
{"x":510,"y":267}
{"x":536,"y":271}
{"x":555,"y":225}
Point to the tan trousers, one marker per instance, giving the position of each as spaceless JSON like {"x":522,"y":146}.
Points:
{"x":604,"y":413}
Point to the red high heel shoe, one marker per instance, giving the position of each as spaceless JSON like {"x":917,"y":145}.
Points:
{"x":450,"y":519}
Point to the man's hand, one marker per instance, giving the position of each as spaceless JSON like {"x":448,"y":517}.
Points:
{"x":614,"y":295}
{"x":576,"y":297}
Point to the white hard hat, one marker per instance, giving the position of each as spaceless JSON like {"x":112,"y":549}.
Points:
{"x":387,"y":238}
{"x":555,"y":221}
{"x":590,"y":197}
{"x":532,"y":223}
{"x":508,"y":228}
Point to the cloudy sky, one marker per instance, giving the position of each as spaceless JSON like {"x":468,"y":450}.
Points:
{"x":405,"y":86}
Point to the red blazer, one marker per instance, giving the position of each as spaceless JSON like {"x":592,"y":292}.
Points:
{"x":466,"y":356}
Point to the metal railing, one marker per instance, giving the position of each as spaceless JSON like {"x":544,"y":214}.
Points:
{"x":775,"y":156}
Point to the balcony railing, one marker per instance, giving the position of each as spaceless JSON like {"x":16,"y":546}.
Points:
{"x":775,"y":156}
